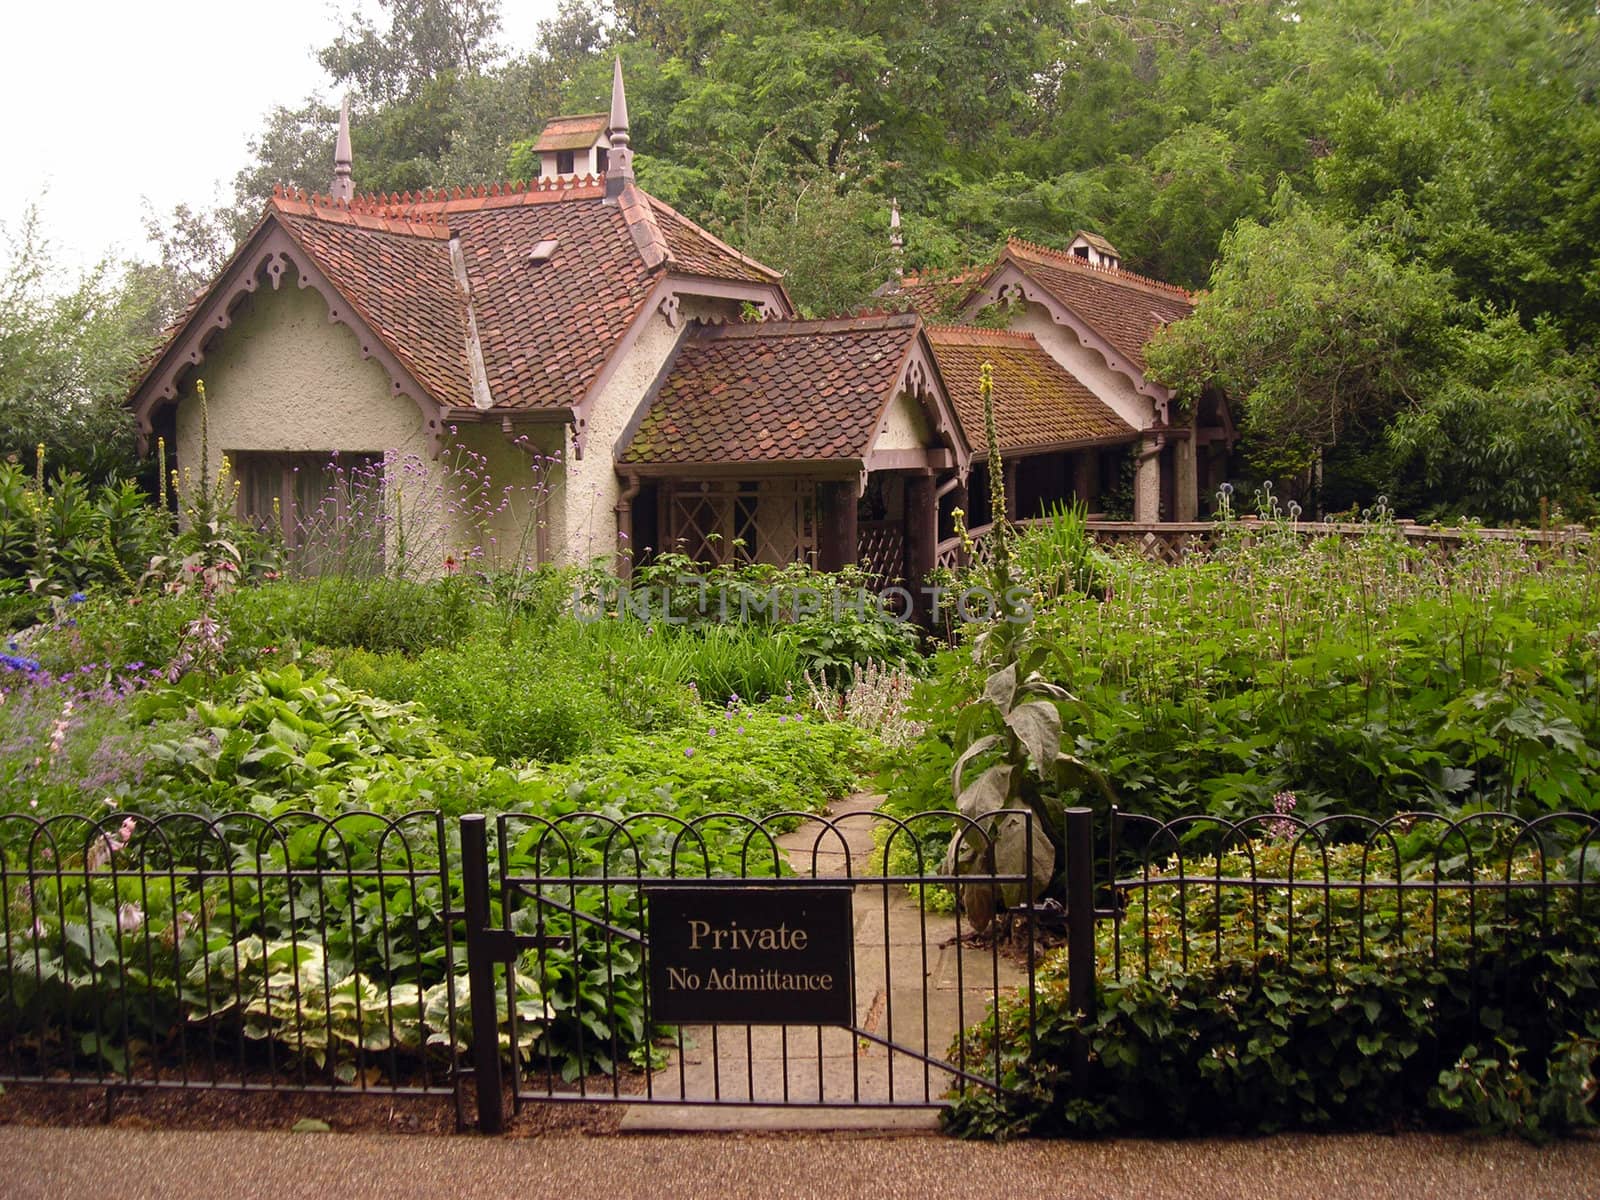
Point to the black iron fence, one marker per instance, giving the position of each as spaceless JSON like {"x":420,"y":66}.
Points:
{"x":1339,"y":888}
{"x":413,"y":955}
{"x":602,"y":957}
{"x":233,"y":951}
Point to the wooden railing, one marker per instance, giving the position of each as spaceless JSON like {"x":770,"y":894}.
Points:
{"x":1171,"y":541}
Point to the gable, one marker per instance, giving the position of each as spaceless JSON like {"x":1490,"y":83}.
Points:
{"x":904,"y":426}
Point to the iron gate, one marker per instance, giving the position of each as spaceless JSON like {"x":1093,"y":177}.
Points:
{"x":560,"y":960}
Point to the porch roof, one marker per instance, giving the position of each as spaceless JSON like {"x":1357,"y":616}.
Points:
{"x":779,"y":394}
{"x":1037,"y":402}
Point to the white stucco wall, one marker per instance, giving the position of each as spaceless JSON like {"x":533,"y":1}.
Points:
{"x":501,"y":491}
{"x":1112,"y":387}
{"x":286,"y":379}
{"x":586,"y":496}
{"x":904,"y":426}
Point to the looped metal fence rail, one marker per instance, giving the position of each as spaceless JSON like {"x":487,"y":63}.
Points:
{"x":420,"y":955}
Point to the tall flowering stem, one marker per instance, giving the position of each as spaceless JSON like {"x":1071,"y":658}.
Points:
{"x":1000,"y":531}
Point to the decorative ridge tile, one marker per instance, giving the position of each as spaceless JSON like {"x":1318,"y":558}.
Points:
{"x":976,"y":335}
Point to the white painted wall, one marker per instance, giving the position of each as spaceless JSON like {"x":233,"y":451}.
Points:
{"x":286,"y":379}
{"x":1112,"y":387}
{"x":904,"y":426}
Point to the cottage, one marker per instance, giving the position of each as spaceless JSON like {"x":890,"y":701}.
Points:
{"x":656,"y":382}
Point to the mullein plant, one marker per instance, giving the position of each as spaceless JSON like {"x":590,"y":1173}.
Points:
{"x":1010,"y":736}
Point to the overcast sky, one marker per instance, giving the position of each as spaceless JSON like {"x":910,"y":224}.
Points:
{"x":113,"y":100}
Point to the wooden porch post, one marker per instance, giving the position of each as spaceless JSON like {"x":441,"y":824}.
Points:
{"x":922,"y":541}
{"x":1186,"y":481}
{"x":1086,"y":477}
{"x":1010,"y":468}
{"x":836,"y":523}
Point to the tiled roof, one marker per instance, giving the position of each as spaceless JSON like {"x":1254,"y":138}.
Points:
{"x":939,"y":295}
{"x":402,"y":286}
{"x":571,"y":133}
{"x":546,"y":328}
{"x":1036,"y":401}
{"x":697,"y":252}
{"x":779,"y":391}
{"x":1124,"y":308}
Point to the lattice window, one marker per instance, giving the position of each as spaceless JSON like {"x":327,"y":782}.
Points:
{"x":881,"y":551}
{"x":772,"y":521}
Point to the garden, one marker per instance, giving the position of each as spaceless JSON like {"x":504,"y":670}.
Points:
{"x":237,"y":766}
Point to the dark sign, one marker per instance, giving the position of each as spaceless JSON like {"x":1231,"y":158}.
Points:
{"x":769,"y":955}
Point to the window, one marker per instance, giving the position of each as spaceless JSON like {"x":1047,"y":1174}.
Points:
{"x":564,"y":162}
{"x":327,"y":506}
{"x":602,"y":160}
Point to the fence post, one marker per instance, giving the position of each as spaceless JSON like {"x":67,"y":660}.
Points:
{"x":480,"y":974}
{"x":1080,"y":931}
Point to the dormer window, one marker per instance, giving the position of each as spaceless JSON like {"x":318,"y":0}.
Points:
{"x":573,"y":146}
{"x":1095,"y":250}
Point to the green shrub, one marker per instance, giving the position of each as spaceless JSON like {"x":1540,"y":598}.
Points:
{"x":518,"y":703}
{"x":1444,"y":1011}
{"x":718,"y":661}
{"x":754,"y":761}
{"x":1360,"y":673}
{"x":390,"y":675}
{"x":60,"y":536}
{"x":376,"y":614}
{"x":285,"y":741}
{"x":117,"y":631}
{"x":832,"y":618}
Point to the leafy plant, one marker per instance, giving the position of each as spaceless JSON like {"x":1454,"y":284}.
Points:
{"x":1215,"y":1012}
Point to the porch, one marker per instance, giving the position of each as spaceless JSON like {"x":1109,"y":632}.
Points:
{"x":887,"y":528}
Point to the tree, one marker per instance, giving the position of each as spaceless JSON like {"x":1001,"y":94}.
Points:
{"x":425,"y":40}
{"x":1310,"y":326}
{"x":68,"y":351}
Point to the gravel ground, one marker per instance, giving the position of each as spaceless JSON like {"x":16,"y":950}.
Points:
{"x":133,"y":1163}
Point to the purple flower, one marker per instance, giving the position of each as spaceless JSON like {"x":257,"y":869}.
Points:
{"x":688,"y":751}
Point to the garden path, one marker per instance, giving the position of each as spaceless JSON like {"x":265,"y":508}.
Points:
{"x":915,"y":986}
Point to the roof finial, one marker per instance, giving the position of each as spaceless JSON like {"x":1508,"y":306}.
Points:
{"x":896,"y":243}
{"x":343,"y":188}
{"x":619,"y":162}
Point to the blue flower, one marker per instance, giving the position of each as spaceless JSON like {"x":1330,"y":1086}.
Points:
{"x":77,"y":598}
{"x":15,"y":662}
